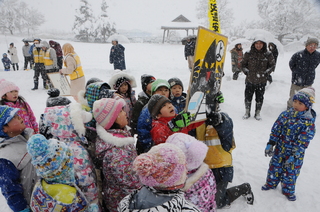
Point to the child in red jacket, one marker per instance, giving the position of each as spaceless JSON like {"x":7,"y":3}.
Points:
{"x":165,"y":120}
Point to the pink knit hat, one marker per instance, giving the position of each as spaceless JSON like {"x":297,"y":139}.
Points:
{"x":194,"y":149}
{"x":163,"y":167}
{"x":106,"y":110}
{"x":7,"y":86}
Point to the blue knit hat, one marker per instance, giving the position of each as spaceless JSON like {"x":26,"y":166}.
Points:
{"x":306,"y":96}
{"x":52,"y":159}
{"x":6,"y":115}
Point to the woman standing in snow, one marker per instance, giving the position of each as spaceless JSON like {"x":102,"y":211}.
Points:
{"x":73,"y":69}
{"x":117,"y":56}
{"x":14,"y":56}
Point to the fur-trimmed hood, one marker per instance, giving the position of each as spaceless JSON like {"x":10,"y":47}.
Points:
{"x":121,"y":74}
{"x":112,"y":139}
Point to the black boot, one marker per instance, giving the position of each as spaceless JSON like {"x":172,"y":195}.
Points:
{"x":13,"y":67}
{"x":35,"y":85}
{"x":258,"y":109}
{"x":248,"y":109}
{"x":17,"y":67}
{"x":241,"y":190}
{"x":45,"y":85}
{"x":235,"y":75}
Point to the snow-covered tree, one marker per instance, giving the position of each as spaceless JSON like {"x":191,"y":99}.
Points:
{"x":9,"y":13}
{"x":289,"y":17}
{"x":83,"y":25}
{"x":225,"y":14}
{"x":105,"y":27}
{"x":31,"y":18}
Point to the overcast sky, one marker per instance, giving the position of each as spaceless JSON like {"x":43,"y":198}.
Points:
{"x":146,"y":15}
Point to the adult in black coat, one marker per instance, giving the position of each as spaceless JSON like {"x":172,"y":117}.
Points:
{"x":117,"y":56}
{"x":274,"y":50}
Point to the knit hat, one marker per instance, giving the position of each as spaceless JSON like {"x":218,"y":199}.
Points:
{"x":93,"y":80}
{"x":52,"y":159}
{"x":194,"y":149}
{"x":106,"y":110}
{"x":159,"y":83}
{"x":162,"y":167}
{"x":7,"y":86}
{"x":155,"y":104}
{"x":4,"y":54}
{"x":97,"y":90}
{"x":306,"y":96}
{"x":145,"y":80}
{"x":312,"y":40}
{"x":121,"y":77}
{"x":175,"y":81}
{"x":6,"y":115}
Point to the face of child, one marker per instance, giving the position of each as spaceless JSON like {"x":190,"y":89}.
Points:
{"x":299,"y":106}
{"x":11,"y":96}
{"x":124,"y":88}
{"x":164,"y":91}
{"x":148,"y":88}
{"x":15,"y":126}
{"x":176,"y":90}
{"x":122,"y":119}
{"x":167,"y":110}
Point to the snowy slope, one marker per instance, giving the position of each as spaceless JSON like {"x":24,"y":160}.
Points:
{"x":166,"y":61}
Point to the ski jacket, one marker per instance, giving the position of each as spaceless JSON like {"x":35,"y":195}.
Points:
{"x":42,"y":201}
{"x":189,"y":48}
{"x":12,"y":51}
{"x":65,"y":123}
{"x":303,"y":65}
{"x":6,"y":62}
{"x":117,"y":151}
{"x":56,"y":46}
{"x":257,"y":65}
{"x":179,"y":102}
{"x":143,"y":99}
{"x":200,"y":188}
{"x":148,"y":199}
{"x":117,"y":57}
{"x":17,"y":174}
{"x":26,"y":114}
{"x":144,"y":127}
{"x":160,"y":130}
{"x":236,"y":58}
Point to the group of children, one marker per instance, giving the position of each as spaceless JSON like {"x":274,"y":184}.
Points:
{"x":83,"y":156}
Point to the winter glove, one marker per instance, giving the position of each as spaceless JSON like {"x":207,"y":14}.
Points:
{"x":220,"y":98}
{"x":245,"y":71}
{"x":180,"y":121}
{"x":269,"y":150}
{"x":214,"y":119}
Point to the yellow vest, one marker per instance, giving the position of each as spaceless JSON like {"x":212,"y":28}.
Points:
{"x":216,"y":157}
{"x":47,"y":59}
{"x":38,"y":56}
{"x":78,"y":72}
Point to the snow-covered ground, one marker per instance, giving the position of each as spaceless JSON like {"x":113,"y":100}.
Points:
{"x":166,"y":61}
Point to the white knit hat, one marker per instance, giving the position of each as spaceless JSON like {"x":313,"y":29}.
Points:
{"x":7,"y":86}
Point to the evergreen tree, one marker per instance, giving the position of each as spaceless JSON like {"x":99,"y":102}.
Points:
{"x":84,"y":22}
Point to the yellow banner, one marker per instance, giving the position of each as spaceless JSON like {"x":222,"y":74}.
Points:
{"x":205,"y":79}
{"x":213,"y":15}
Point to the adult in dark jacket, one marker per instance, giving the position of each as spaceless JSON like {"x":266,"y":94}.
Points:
{"x":117,"y":56}
{"x":56,"y":46}
{"x":303,"y":66}
{"x":257,"y":64}
{"x":274,"y":50}
{"x":189,"y":52}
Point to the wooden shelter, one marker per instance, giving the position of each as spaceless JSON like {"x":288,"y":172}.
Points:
{"x":179,"y":23}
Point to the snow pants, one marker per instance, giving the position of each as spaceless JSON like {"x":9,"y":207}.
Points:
{"x":279,"y":172}
{"x":257,"y":89}
{"x":39,"y":69}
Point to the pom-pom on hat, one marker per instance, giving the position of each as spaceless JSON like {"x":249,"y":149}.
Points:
{"x":312,"y":40}
{"x":159,"y":83}
{"x":175,"y":81}
{"x":7,"y":86}
{"x":145,"y":80}
{"x":306,"y":96}
{"x":155,"y":104}
{"x":106,"y":110}
{"x":162,"y":167}
{"x":6,"y":115}
{"x":194,"y":149}
{"x":52,"y":159}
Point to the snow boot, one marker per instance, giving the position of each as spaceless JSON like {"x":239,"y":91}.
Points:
{"x":35,"y":85}
{"x":291,"y":197}
{"x":241,"y":190}
{"x":257,"y":113}
{"x":248,"y":109}
{"x":235,"y":75}
{"x":45,"y":85}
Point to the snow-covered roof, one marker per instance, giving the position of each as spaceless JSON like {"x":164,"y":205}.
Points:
{"x":180,"y":22}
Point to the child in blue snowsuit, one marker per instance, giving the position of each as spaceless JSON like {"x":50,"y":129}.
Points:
{"x":290,"y":135}
{"x":6,"y":62}
{"x":177,"y":97}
